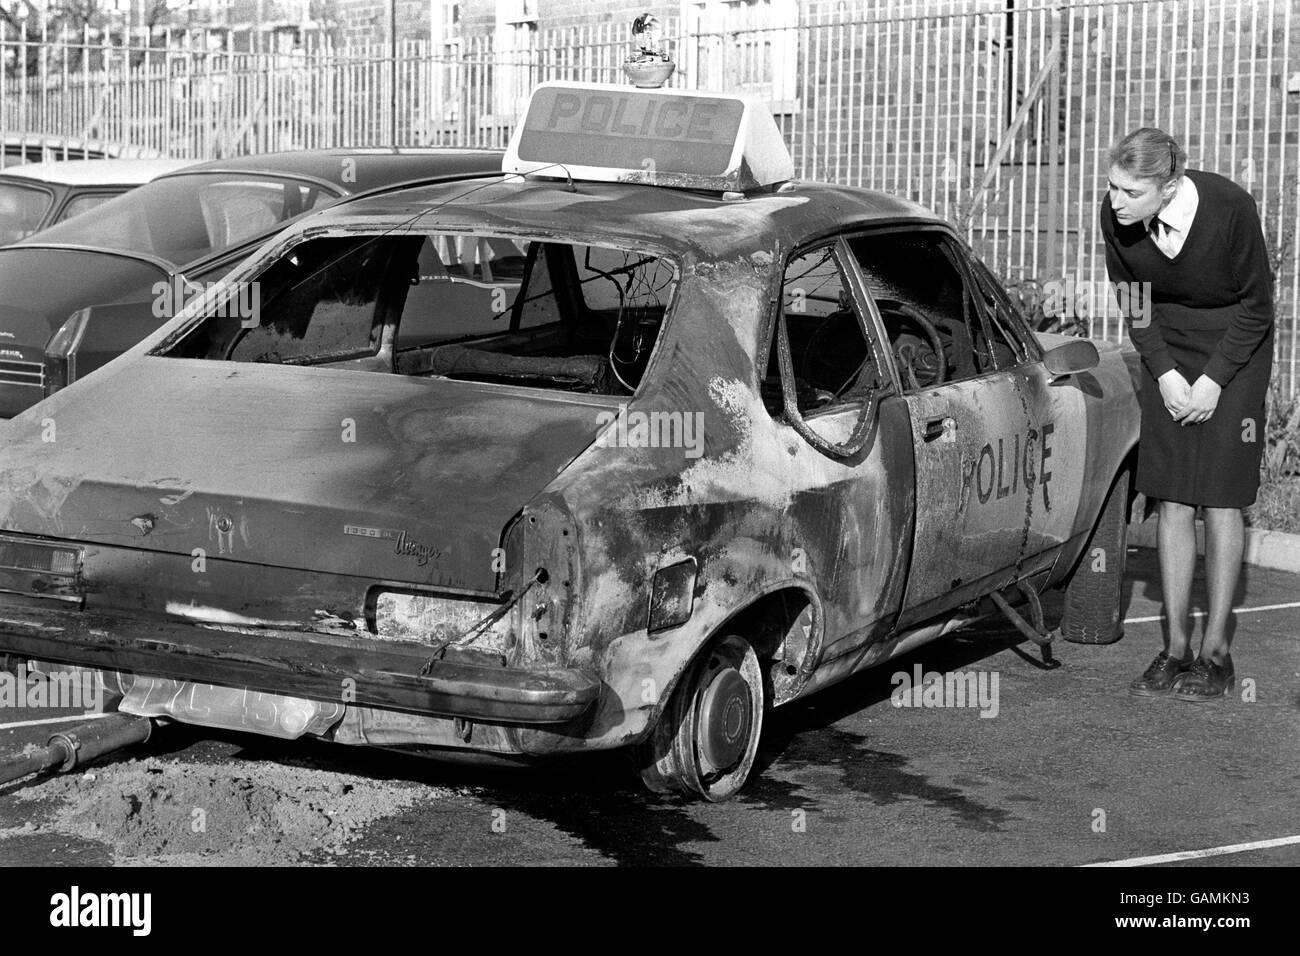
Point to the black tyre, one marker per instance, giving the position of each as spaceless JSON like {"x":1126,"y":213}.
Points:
{"x":1093,"y":595}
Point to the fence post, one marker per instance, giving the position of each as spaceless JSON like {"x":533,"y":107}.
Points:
{"x":1053,"y":147}
{"x":392,"y":71}
{"x":4,"y":88}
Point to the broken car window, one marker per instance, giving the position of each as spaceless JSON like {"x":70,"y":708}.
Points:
{"x":320,"y":307}
{"x":935,"y":331}
{"x":318,"y":304}
{"x":626,"y":294}
{"x":484,"y":308}
{"x":462,"y":288}
{"x":1007,"y":347}
{"x":832,"y":360}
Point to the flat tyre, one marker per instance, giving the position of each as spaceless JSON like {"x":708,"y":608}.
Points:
{"x":707,"y":737}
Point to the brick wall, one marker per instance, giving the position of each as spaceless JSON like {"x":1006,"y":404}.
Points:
{"x":573,"y":13}
{"x":366,"y":21}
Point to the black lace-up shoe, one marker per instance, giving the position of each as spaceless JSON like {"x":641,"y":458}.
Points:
{"x":1158,"y":679}
{"x":1205,"y":680}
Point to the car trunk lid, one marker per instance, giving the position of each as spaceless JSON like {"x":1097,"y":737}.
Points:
{"x":388,"y":476}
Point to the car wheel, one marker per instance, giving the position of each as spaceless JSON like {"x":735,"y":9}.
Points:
{"x":707,"y":736}
{"x":1093,"y":594}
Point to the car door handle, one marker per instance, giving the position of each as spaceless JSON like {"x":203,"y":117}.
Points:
{"x":937,"y":428}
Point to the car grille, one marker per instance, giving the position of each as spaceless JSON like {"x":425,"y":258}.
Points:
{"x":18,"y":372}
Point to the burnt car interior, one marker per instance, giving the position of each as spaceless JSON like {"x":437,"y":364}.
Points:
{"x":832,"y":359}
{"x":491,"y":309}
{"x":936,"y":332}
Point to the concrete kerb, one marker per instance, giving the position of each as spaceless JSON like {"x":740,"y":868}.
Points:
{"x":1264,"y":549}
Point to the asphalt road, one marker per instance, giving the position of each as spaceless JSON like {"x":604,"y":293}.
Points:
{"x":1071,"y":770}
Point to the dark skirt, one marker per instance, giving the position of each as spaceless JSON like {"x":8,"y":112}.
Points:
{"x":1214,"y":464}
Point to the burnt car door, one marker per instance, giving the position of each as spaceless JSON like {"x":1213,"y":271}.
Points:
{"x":829,"y":380}
{"x":975,"y":456}
{"x":1058,"y":412}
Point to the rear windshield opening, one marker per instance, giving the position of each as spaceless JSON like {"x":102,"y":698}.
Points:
{"x":483,"y":308}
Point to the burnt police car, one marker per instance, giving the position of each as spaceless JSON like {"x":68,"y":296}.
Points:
{"x":617,"y":450}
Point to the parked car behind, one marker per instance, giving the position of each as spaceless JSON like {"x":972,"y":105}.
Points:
{"x":35,"y":196}
{"x":18,"y":148}
{"x":183,"y":230}
{"x":594,"y":456}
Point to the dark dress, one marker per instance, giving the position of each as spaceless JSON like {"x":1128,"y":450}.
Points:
{"x":1211,"y":312}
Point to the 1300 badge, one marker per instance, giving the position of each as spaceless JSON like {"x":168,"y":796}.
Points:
{"x":405,"y":544}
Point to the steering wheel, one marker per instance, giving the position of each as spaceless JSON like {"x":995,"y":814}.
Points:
{"x":818,"y":366}
{"x":916,"y":343}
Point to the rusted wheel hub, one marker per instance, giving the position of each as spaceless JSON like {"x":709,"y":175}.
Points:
{"x":707,"y":738}
{"x":724,"y":720}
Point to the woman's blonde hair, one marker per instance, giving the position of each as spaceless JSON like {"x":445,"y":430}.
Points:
{"x":1149,"y":153}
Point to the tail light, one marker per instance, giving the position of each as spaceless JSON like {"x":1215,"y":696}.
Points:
{"x":34,"y":568}
{"x":61,"y":352}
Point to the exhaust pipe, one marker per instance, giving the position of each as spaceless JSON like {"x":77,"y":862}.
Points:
{"x":69,"y":749}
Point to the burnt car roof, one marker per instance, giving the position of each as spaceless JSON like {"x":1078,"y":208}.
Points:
{"x":686,"y":221}
{"x":400,"y":164}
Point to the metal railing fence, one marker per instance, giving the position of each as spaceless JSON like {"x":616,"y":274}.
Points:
{"x":997,"y":119}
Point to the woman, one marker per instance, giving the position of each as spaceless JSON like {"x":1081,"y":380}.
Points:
{"x":1193,"y":242}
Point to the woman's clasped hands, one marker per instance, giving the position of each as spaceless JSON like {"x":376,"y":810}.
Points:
{"x":1188,"y":404}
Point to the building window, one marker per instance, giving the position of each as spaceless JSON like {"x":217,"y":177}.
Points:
{"x":515,"y":46}
{"x":744,"y":46}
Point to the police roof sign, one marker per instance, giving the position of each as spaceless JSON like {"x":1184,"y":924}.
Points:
{"x":692,"y":140}
{"x":623,"y":128}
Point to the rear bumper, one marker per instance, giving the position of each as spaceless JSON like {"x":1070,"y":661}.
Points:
{"x":325,"y":668}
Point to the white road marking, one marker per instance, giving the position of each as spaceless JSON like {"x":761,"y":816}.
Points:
{"x":53,"y":720}
{"x":1235,"y":610}
{"x":1199,"y":854}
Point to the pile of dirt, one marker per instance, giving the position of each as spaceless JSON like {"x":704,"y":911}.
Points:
{"x":165,"y":811}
